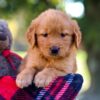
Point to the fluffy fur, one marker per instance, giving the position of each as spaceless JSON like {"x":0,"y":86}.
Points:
{"x":52,"y":28}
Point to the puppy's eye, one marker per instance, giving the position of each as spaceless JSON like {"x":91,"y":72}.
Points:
{"x":63,"y":35}
{"x":45,"y":35}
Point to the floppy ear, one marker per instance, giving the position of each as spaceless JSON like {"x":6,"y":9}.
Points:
{"x":77,"y":33}
{"x":30,"y":34}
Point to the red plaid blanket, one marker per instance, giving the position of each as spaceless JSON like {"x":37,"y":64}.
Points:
{"x":62,"y":88}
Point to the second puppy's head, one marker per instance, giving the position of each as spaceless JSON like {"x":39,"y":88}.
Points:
{"x":54,"y":34}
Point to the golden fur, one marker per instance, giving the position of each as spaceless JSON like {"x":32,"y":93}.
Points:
{"x":51,"y":28}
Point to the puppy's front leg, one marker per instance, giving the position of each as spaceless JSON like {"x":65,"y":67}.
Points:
{"x":47,"y":75}
{"x":25,"y":77}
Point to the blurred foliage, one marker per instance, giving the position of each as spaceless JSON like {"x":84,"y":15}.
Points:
{"x":90,"y":25}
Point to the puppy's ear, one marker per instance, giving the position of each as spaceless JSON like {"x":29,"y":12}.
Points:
{"x":31,"y":34}
{"x":77,"y":33}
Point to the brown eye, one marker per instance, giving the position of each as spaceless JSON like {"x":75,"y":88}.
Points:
{"x":63,"y":35}
{"x":45,"y":35}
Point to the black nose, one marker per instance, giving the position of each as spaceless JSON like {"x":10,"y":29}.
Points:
{"x":54,"y":50}
{"x":2,"y":37}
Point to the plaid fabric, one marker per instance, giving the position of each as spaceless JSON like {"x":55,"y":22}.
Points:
{"x":62,"y":88}
{"x":9,"y":62}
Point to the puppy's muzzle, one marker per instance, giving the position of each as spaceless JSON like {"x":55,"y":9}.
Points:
{"x":54,"y":50}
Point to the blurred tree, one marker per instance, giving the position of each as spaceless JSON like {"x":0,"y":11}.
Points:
{"x":90,"y":25}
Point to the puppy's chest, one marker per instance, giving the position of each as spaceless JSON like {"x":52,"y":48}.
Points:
{"x":59,"y":65}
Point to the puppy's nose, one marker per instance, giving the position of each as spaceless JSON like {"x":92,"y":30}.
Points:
{"x":2,"y":37}
{"x":54,"y":50}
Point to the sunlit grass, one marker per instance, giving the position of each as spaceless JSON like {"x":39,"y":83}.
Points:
{"x":83,"y":69}
{"x":20,"y":53}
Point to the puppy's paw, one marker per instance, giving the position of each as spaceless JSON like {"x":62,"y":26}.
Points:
{"x":42,"y":79}
{"x":24,"y":79}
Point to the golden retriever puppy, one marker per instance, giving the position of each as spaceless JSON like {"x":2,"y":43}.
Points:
{"x":54,"y":38}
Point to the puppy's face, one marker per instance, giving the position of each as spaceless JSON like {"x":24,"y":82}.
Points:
{"x":54,"y":38}
{"x":54,"y":34}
